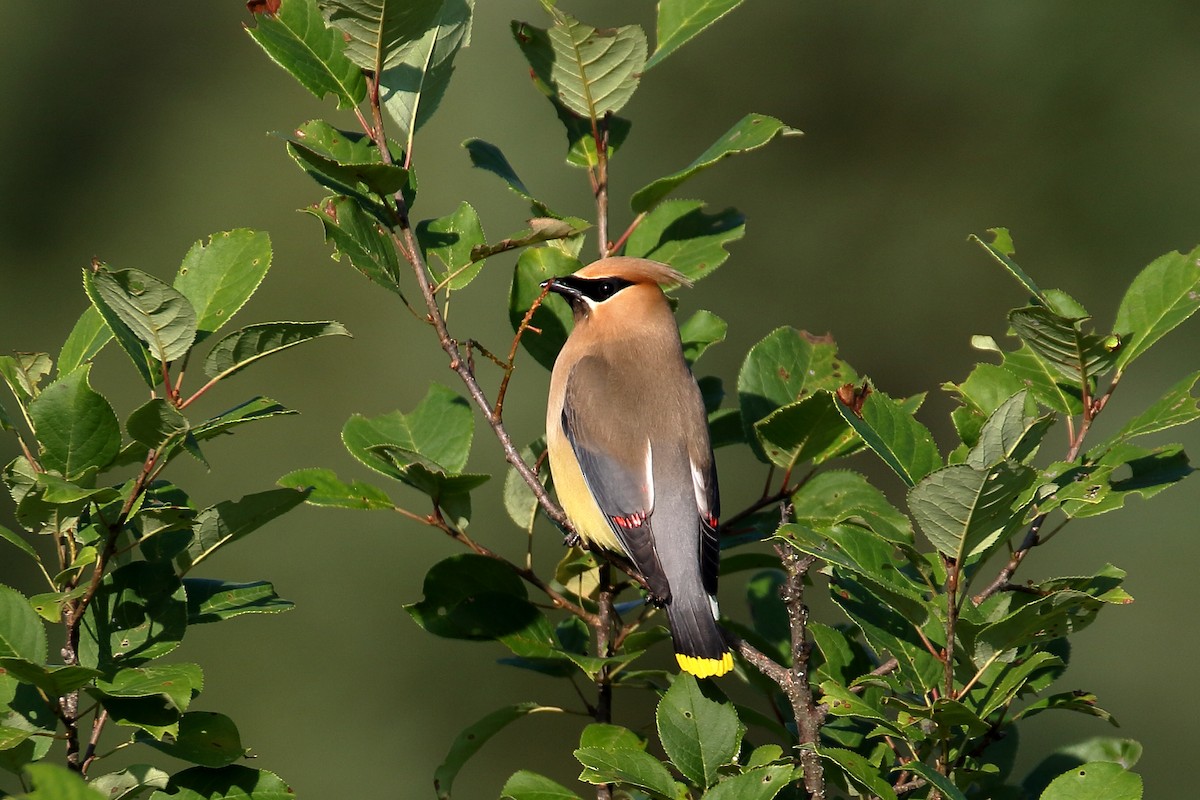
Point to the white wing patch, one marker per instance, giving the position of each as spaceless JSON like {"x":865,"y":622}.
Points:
{"x":649,"y":478}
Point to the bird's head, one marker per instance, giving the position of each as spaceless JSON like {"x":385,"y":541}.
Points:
{"x":619,"y":282}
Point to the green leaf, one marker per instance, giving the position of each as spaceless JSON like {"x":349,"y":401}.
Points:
{"x":12,"y":737}
{"x":525,"y":785}
{"x":461,"y":599}
{"x":489,"y":157}
{"x":416,"y":79}
{"x":243,"y":347}
{"x":233,"y":782}
{"x":76,"y":427}
{"x":680,"y":21}
{"x":784,"y":367}
{"x":553,"y":317}
{"x":856,"y":550}
{"x":763,"y":783}
{"x":219,"y":277}
{"x":859,"y":771}
{"x":228,"y":521}
{"x":130,"y":782}
{"x":1080,"y":702}
{"x":1002,"y":249}
{"x":887,"y":630}
{"x":581,"y":140}
{"x":1012,"y":680}
{"x":565,"y":235}
{"x":981,"y":393}
{"x":629,"y":767}
{"x":934,"y":778}
{"x":158,"y":315}
{"x":295,"y":38}
{"x":23,"y":372}
{"x":807,"y":430}
{"x":1061,"y":342}
{"x":439,"y":430}
{"x":750,"y":133}
{"x":138,"y":613}
{"x":23,"y":708}
{"x":841,"y":496}
{"x":1122,"y":752}
{"x":965,"y":511}
{"x":452,"y":239}
{"x":22,"y":634}
{"x":52,"y":782}
{"x":249,"y":411}
{"x":894,"y":434}
{"x":1035,"y":373}
{"x":1009,"y":434}
{"x":1177,"y":407}
{"x":1161,"y":298}
{"x":348,"y":163}
{"x":474,"y":737}
{"x":133,"y":346}
{"x":1142,"y":472}
{"x":679,"y":233}
{"x":699,"y":735}
{"x":1098,"y":780}
{"x":155,"y":422}
{"x":329,"y":491}
{"x":844,"y":703}
{"x":591,"y":71}
{"x":701,"y":331}
{"x":519,"y":502}
{"x":205,"y":737}
{"x":176,"y":683}
{"x":215,"y":600}
{"x":361,"y":238}
{"x":53,"y":681}
{"x":86,"y":339}
{"x":380,"y":32}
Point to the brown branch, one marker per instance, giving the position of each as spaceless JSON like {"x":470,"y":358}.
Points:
{"x":619,"y":243}
{"x":600,"y":184}
{"x":603,"y":629}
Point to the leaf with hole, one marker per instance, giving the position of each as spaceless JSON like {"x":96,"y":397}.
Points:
{"x":219,"y":276}
{"x":699,"y":735}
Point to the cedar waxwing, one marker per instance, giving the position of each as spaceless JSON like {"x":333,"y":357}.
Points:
{"x":627,"y":436}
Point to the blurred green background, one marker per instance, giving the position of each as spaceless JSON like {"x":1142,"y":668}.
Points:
{"x":130,"y":131}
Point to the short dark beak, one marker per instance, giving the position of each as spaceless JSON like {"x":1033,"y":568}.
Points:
{"x":563,"y":287}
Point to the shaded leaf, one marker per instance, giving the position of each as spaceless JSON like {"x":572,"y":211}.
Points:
{"x":519,"y":500}
{"x":1009,"y":434}
{"x":1078,"y":701}
{"x":154,"y":422}
{"x":242,"y":348}
{"x":1122,"y":472}
{"x":699,"y":332}
{"x":23,"y":373}
{"x":750,"y":133}
{"x":1043,"y":380}
{"x":176,"y":683}
{"x":474,"y":737}
{"x":581,"y":140}
{"x":233,"y":782}
{"x":86,"y":339}
{"x":230,"y":520}
{"x":76,"y":427}
{"x":138,"y":613}
{"x":205,"y":737}
{"x":328,"y":490}
{"x":249,"y":411}
{"x":1061,"y":342}
{"x":52,"y":782}
{"x":361,"y":238}
{"x":133,"y":346}
{"x":210,"y":600}
{"x":856,"y":550}
{"x":461,"y":599}
{"x":1160,"y":298}
{"x":130,"y":782}
{"x":219,"y":277}
{"x":680,"y":21}
{"x":838,"y":496}
{"x":590,"y":71}
{"x":806,"y":430}
{"x":553,"y":317}
{"x":859,"y":771}
{"x":936,"y":779}
{"x":981,"y":393}
{"x":348,"y":163}
{"x":418,"y":73}
{"x":489,"y":157}
{"x":679,"y":233}
{"x":18,"y":541}
{"x":296,"y":38}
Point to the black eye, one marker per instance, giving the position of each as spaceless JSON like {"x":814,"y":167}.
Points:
{"x":607,"y":289}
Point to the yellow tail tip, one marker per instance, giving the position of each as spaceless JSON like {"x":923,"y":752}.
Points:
{"x":705,"y":667}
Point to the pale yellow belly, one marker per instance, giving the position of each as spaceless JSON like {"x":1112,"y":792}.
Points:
{"x":589,"y":521}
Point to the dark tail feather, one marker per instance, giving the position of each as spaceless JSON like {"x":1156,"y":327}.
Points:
{"x":699,"y":645}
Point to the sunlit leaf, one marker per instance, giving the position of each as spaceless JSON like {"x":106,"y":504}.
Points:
{"x":894,"y":434}
{"x":219,"y":276}
{"x":361,"y":238}
{"x":379,"y":33}
{"x":77,"y":428}
{"x":86,"y":339}
{"x":160,"y":316}
{"x":328,"y":490}
{"x":22,"y":634}
{"x":242,"y":348}
{"x":680,"y":21}
{"x":699,"y":735}
{"x":452,"y":240}
{"x":230,"y":520}
{"x":965,"y":511}
{"x":679,"y":233}
{"x":1161,"y":298}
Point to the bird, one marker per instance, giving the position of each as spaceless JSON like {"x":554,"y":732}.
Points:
{"x":630,"y":456}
